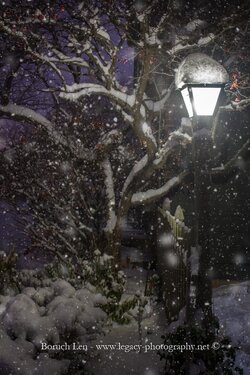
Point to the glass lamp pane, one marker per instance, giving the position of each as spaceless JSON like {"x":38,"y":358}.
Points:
{"x":205,"y":100}
{"x":187,"y":101}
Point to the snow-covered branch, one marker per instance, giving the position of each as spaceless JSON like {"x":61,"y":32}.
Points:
{"x":180,"y":47}
{"x":153,"y":195}
{"x":77,"y":91}
{"x":24,"y":40}
{"x":145,"y":167}
{"x":147,"y":136}
{"x":25,"y":114}
{"x":232,"y":106}
{"x":64,"y":59}
{"x":137,"y":168}
{"x":159,"y":105}
{"x":240,"y":106}
{"x":109,"y":184}
{"x":176,"y":139}
{"x":237,"y":162}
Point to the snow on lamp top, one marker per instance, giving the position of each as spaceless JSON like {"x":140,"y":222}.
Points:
{"x":198,"y":68}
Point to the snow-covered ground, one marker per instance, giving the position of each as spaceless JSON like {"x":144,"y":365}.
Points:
{"x":119,"y":362}
{"x":127,"y":357}
{"x":232,"y":307}
{"x":46,"y":313}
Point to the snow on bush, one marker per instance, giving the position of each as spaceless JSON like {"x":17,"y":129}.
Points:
{"x":17,"y":357}
{"x":61,"y":303}
{"x":51,"y":315}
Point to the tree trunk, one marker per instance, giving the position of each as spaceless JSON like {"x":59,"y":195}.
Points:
{"x":114,"y":244}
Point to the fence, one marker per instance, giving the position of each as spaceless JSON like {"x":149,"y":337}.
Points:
{"x":172,"y":256}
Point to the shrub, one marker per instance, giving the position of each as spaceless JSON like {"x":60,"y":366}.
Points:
{"x":217,"y":357}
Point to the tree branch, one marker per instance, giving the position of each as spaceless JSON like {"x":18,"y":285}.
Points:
{"x":226,"y":171}
{"x":111,"y":223}
{"x":25,"y":114}
{"x":153,"y":195}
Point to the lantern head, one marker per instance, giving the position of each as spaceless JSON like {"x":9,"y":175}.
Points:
{"x":200,"y":80}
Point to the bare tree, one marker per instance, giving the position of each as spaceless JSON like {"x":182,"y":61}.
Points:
{"x":63,"y":64}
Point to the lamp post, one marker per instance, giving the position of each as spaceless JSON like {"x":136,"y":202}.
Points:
{"x":200,"y":80}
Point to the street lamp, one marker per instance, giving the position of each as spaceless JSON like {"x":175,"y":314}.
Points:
{"x":200,"y":80}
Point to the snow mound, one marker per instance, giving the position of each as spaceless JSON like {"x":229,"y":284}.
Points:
{"x":231,"y":306}
{"x":51,"y":314}
{"x":195,"y":24}
{"x":63,"y":288}
{"x":198,"y":68}
{"x":16,"y":357}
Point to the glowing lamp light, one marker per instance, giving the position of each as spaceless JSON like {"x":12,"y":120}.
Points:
{"x":200,"y":80}
{"x":200,"y":100}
